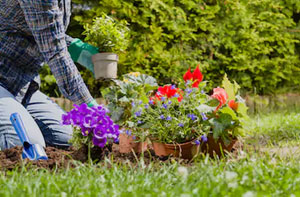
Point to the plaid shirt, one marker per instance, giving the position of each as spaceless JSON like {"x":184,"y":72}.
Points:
{"x":33,"y":32}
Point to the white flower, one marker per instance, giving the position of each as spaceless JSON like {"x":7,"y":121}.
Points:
{"x":230,"y":175}
{"x":183,"y":171}
{"x":249,"y":194}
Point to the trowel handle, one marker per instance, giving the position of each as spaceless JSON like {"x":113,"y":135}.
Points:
{"x":17,"y":122}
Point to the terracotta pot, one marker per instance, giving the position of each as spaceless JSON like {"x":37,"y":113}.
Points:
{"x":216,"y":147}
{"x":127,"y":144}
{"x":186,"y":150}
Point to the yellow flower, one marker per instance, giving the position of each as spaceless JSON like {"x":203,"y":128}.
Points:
{"x":136,"y":74}
{"x":126,"y":80}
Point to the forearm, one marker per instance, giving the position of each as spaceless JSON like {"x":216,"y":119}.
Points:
{"x":45,"y":20}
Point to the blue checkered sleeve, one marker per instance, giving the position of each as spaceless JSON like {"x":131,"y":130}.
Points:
{"x":45,"y":21}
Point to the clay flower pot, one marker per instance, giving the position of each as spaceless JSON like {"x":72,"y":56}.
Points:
{"x":105,"y":65}
{"x":127,"y":144}
{"x":216,"y":147}
{"x":186,"y":150}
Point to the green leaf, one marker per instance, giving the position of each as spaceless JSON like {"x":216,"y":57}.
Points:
{"x":242,"y":110}
{"x":228,"y":110}
{"x":229,"y":88}
{"x":205,"y":108}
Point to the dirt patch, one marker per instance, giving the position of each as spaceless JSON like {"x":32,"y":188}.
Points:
{"x":57,"y":158}
{"x":11,"y":159}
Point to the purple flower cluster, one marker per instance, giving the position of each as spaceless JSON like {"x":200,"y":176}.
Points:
{"x":92,"y":120}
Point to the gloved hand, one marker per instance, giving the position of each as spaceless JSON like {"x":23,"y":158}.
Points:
{"x":93,"y":103}
{"x":82,"y":53}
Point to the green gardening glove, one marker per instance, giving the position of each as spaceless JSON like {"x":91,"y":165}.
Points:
{"x":82,"y":53}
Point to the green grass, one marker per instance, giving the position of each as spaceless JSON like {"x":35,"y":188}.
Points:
{"x":261,"y":169}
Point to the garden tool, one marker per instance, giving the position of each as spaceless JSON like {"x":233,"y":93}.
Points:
{"x":82,"y":53}
{"x":30,"y":150}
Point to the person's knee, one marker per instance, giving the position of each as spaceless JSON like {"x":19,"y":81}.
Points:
{"x":8,"y":140}
{"x":58,"y":135}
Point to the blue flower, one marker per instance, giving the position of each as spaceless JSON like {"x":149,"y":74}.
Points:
{"x":170,"y":102}
{"x":165,"y":106}
{"x":197,"y":142}
{"x":202,"y":92}
{"x":204,"y":138}
{"x":146,"y":106}
{"x":204,"y":117}
{"x":162,"y":117}
{"x":169,"y":118}
{"x":134,"y":137}
{"x":173,"y":87}
{"x":192,"y":116}
{"x":188,"y":90}
{"x":140,"y":102}
{"x":180,"y":125}
{"x":139,"y":122}
{"x":132,"y":104}
{"x":128,"y":132}
{"x":138,"y":113}
{"x":176,"y":95}
{"x":151,"y":102}
{"x":163,"y":98}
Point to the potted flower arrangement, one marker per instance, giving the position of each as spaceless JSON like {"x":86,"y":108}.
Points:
{"x":92,"y":127}
{"x":110,"y":37}
{"x":183,"y":120}
{"x":121,"y":98}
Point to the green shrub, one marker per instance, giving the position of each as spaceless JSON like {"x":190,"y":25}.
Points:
{"x":252,"y":41}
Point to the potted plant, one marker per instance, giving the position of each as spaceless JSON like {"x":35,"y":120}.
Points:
{"x":110,"y":37}
{"x":92,"y":127}
{"x":181,"y":120}
{"x":121,"y":98}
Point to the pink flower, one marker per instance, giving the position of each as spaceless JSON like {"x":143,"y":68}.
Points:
{"x":221,"y":95}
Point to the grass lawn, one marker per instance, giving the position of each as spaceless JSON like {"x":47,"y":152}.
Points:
{"x":269,"y":165}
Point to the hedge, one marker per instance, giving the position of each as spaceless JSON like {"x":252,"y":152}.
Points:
{"x":255,"y":42}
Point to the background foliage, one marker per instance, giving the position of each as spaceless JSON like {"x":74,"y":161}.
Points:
{"x":255,"y":42}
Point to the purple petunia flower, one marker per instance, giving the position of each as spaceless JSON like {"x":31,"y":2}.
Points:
{"x":192,"y":116}
{"x":169,"y":118}
{"x":197,"y":142}
{"x":180,"y":125}
{"x":92,"y":121}
{"x":204,"y":117}
{"x":162,"y":117}
{"x":204,"y":138}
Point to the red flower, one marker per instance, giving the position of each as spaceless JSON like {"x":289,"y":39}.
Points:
{"x":196,"y":76}
{"x":233,"y":105}
{"x":169,"y":91}
{"x":221,"y":95}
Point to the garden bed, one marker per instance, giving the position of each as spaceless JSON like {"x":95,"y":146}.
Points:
{"x":10,"y":159}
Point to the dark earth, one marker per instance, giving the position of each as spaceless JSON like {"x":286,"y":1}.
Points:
{"x":11,"y":159}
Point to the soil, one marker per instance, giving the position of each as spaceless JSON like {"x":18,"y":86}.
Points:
{"x":11,"y":159}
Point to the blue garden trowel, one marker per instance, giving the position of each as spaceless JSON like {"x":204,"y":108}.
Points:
{"x":30,"y":151}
